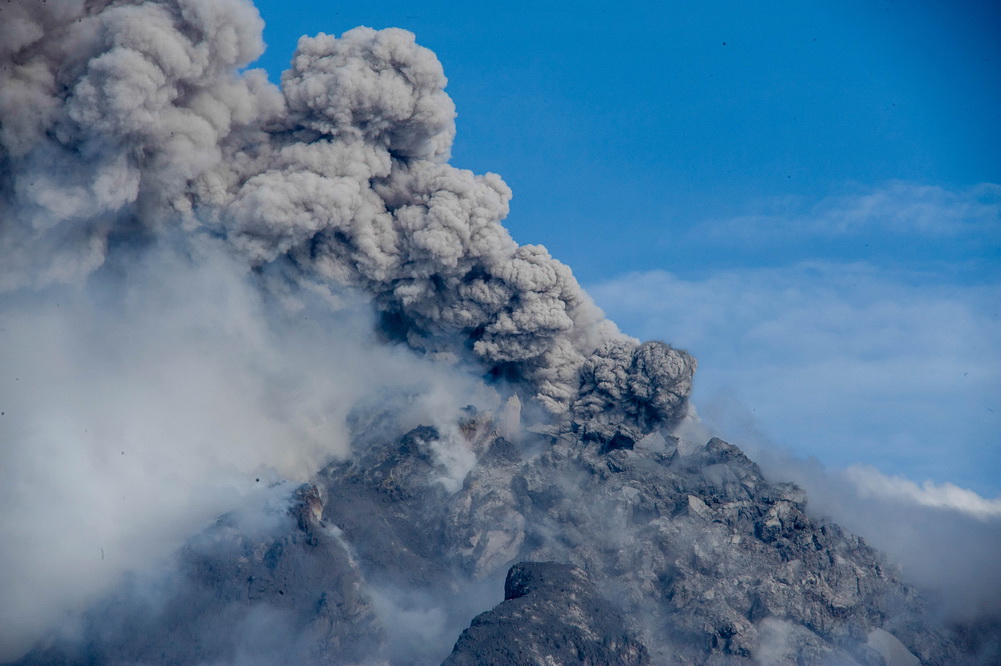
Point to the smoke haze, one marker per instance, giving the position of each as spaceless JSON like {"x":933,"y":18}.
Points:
{"x":143,"y":406}
{"x":944,"y":538}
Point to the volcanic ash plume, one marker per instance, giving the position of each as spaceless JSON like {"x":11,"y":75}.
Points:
{"x":121,"y":123}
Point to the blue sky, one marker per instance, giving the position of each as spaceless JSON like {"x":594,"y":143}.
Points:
{"x":805,"y":195}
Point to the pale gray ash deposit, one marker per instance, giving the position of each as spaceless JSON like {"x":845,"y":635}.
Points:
{"x":244,"y":322}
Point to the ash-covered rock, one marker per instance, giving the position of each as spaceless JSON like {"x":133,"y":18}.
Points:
{"x":382,"y":504}
{"x":551,"y":615}
{"x":707,"y":561}
{"x":277,"y":589}
{"x":656,"y":550}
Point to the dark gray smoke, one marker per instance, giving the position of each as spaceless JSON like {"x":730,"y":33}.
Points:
{"x":125,"y":121}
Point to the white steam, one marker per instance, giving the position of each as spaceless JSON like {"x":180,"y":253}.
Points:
{"x":135,"y":415}
{"x":946,"y":539}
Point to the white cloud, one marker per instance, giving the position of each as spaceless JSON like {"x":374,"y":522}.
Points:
{"x":945,"y":539}
{"x":942,"y":538}
{"x":895,"y":208}
{"x":871,"y":483}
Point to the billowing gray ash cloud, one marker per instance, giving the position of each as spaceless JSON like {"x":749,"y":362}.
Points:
{"x":126,"y":121}
{"x":183,"y":246}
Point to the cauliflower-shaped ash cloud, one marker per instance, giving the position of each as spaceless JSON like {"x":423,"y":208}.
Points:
{"x":642,"y":385}
{"x":379,"y":86}
{"x":124,"y":122}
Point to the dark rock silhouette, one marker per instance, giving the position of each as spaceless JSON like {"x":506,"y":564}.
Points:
{"x":551,"y":614}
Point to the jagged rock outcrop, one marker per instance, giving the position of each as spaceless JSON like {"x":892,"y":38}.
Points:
{"x":708,"y":561}
{"x":551,"y":615}
{"x":657,"y":550}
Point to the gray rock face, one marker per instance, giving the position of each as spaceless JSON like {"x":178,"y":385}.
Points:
{"x":633,"y":550}
{"x":280,"y":592}
{"x":707,"y":561}
{"x":552,"y":614}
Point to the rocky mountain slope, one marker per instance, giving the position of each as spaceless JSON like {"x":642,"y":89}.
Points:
{"x":142,"y":165}
{"x":615,"y":551}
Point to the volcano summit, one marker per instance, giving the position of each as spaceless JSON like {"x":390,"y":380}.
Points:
{"x":288,"y":391}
